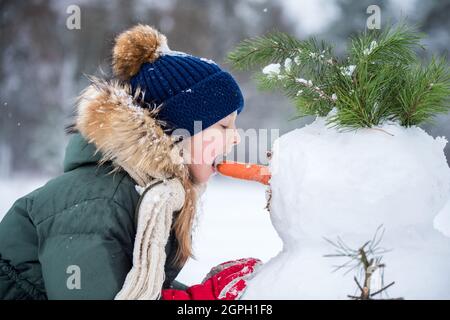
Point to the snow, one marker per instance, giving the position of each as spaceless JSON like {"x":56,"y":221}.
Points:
{"x":330,"y":183}
{"x":288,"y":64}
{"x":442,"y":220}
{"x":371,"y":47}
{"x":348,"y":71}
{"x":305,"y":82}
{"x":208,"y":60}
{"x":12,"y":188}
{"x":272,"y":69}
{"x":165,"y":50}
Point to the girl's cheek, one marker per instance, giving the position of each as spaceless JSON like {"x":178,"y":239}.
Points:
{"x":206,"y":148}
{"x":213,"y":146}
{"x":209,"y":145}
{"x":197,"y":150}
{"x":200,"y":173}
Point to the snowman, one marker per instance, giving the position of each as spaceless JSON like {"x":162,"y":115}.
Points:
{"x":335,"y":195}
{"x":359,"y":197}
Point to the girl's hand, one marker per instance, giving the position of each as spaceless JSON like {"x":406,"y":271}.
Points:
{"x":227,"y":281}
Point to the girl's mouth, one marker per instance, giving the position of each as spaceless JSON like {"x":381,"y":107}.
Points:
{"x":214,"y":165}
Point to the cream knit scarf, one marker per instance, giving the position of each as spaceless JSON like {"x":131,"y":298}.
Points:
{"x":156,"y":206}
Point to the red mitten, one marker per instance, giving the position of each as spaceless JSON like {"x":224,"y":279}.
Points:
{"x":227,"y":281}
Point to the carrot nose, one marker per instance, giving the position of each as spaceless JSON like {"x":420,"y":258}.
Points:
{"x":245,"y":171}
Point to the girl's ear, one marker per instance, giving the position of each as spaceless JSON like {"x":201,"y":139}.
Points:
{"x":184,"y":148}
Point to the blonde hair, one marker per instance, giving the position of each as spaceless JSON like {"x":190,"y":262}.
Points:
{"x":184,"y":221}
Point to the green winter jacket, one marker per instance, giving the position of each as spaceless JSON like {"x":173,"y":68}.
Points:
{"x":73,"y":238}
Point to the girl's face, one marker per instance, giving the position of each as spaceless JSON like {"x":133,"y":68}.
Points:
{"x":203,"y":148}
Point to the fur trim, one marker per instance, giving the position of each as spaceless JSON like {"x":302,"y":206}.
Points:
{"x":134,"y":47}
{"x":127,"y":134}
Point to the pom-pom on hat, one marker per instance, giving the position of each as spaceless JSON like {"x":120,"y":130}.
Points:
{"x":185,"y":88}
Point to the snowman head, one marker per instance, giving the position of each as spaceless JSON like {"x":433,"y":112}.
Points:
{"x":326,"y":182}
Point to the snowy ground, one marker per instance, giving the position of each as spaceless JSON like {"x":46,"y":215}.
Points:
{"x":231,"y":224}
{"x":16,"y":186}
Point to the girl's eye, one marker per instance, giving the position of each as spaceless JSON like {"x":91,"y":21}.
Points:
{"x":224,"y":127}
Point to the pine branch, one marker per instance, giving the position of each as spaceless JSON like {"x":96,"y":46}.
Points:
{"x":367,"y":258}
{"x":381,"y":79}
{"x":424,"y":93}
{"x":393,"y":45}
{"x":274,"y":47}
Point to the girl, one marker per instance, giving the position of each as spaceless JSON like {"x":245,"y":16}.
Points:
{"x":90,"y":234}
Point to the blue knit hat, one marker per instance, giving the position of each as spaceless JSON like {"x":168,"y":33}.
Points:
{"x":187,"y":88}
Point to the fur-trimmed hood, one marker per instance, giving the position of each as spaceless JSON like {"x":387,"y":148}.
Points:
{"x":128,"y":131}
{"x":124,"y":132}
{"x":131,"y":136}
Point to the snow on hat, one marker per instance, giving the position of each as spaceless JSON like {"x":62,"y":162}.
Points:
{"x":187,"y":88}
